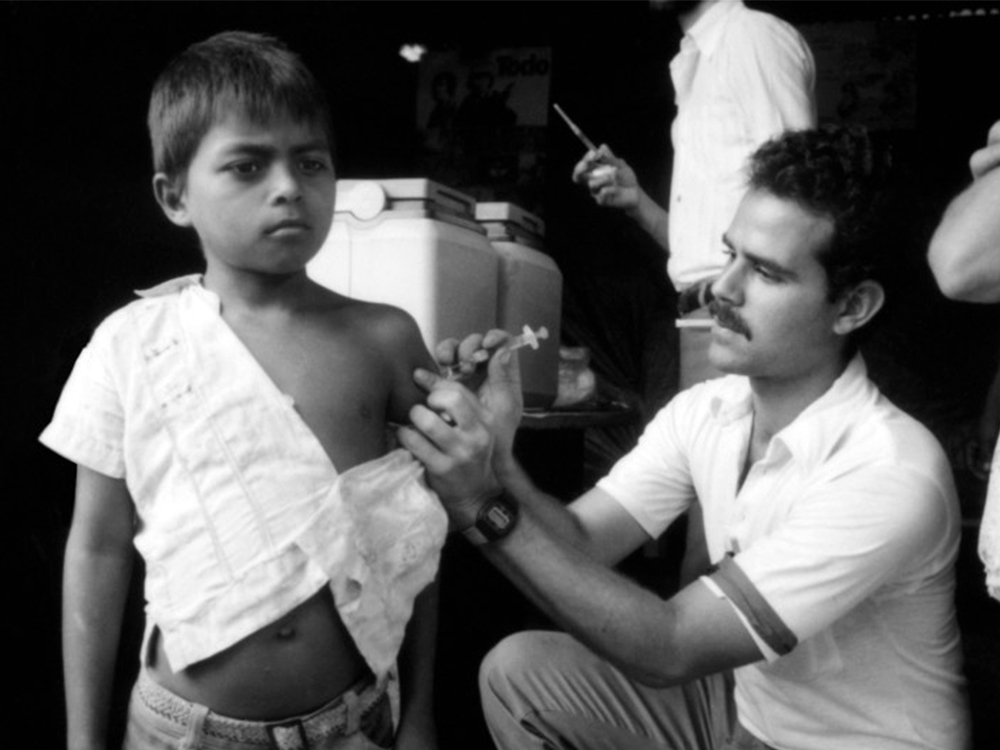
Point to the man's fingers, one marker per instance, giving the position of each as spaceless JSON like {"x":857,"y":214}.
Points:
{"x":469,"y":346}
{"x":426,"y":379}
{"x":505,"y":370}
{"x":445,"y":353}
{"x":425,"y":451}
{"x":494,"y":338}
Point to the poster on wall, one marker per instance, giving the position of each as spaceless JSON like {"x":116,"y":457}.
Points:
{"x":482,"y":122}
{"x":865,"y":73}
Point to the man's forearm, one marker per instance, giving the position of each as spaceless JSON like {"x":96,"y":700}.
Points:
{"x":627,"y":625}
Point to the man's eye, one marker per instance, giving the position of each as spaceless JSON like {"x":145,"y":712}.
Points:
{"x":766,"y":273}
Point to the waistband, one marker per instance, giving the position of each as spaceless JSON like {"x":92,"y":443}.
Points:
{"x":339,"y":718}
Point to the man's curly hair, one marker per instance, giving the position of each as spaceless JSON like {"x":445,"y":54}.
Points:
{"x":834,"y":172}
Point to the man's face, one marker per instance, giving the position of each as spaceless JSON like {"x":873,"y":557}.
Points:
{"x":260,"y":196}
{"x":773,"y":318}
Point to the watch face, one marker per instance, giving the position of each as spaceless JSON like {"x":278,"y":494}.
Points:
{"x":496,"y":519}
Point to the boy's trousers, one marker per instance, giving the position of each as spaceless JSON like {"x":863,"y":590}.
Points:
{"x":358,"y":719}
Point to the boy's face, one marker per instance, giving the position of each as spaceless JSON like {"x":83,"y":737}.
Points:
{"x":773,"y":316}
{"x":259,"y":196}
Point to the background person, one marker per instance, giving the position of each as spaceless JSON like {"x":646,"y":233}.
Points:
{"x":964,"y":256}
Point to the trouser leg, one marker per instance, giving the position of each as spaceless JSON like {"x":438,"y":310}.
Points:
{"x":546,"y":690}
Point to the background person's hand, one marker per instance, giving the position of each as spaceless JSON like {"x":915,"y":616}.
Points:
{"x":610,"y":180}
{"x":988,"y":157}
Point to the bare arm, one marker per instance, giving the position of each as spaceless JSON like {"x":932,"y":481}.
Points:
{"x":965,"y":249}
{"x":416,"y":672}
{"x":612,"y":183}
{"x":560,"y":557}
{"x":656,"y":642}
{"x":98,"y":567}
{"x":404,"y":350}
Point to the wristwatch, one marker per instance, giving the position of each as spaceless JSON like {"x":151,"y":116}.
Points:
{"x":497,"y":517}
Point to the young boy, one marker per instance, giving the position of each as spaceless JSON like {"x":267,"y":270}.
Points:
{"x":234,"y":427}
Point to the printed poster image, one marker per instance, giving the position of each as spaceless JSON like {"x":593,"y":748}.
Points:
{"x":482,"y":122}
{"x":865,"y":73}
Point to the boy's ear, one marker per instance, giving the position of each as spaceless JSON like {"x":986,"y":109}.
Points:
{"x":170,"y":195}
{"x":858,"y":306}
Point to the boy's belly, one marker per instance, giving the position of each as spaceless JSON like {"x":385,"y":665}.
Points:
{"x":289,"y":667}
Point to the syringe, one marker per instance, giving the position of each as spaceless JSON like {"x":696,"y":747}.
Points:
{"x":527,"y":337}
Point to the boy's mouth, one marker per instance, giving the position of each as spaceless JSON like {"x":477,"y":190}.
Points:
{"x":288,"y":225}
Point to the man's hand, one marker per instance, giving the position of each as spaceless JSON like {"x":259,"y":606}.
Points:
{"x":988,"y":157}
{"x":497,"y":384}
{"x":463,"y":438}
{"x":611,"y":181}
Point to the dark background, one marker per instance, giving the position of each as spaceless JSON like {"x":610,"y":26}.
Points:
{"x":81,"y":231}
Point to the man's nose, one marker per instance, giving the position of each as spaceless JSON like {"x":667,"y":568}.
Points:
{"x":728,"y":285}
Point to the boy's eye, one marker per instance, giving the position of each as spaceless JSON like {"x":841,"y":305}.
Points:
{"x":244,"y":168}
{"x":311,"y":165}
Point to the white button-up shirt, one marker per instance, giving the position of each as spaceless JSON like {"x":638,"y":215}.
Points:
{"x":242,"y":516}
{"x":838,"y":552}
{"x":740,"y":78}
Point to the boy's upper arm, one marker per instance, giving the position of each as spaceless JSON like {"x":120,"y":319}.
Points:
{"x":404,"y":351}
{"x":103,"y":513}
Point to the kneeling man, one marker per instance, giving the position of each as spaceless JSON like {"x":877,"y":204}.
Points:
{"x":827,"y":620}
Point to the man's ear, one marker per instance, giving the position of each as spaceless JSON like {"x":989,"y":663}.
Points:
{"x":858,"y":306}
{"x":170,"y":195}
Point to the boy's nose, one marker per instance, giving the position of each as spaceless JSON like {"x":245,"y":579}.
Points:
{"x":286,"y":185}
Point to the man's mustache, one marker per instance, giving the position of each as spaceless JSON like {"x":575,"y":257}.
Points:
{"x":727,"y":317}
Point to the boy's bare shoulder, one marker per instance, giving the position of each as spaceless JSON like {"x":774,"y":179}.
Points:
{"x":379,"y":323}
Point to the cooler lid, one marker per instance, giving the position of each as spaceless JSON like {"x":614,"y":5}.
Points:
{"x":510,"y":215}
{"x":506,"y":222}
{"x":366,"y":199}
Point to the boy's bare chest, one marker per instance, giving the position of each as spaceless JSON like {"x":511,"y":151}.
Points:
{"x":337,"y":385}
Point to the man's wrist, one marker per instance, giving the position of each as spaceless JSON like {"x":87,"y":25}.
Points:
{"x":496,"y":518}
{"x":462,"y":514}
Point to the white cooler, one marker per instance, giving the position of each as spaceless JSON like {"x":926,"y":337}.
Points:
{"x":415,"y":244}
{"x":529,"y":293}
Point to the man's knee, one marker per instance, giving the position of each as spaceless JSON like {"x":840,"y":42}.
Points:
{"x":509,"y":663}
{"x":521,"y":680}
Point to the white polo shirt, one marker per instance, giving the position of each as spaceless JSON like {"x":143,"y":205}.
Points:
{"x":838,"y":551}
{"x":741,"y":77}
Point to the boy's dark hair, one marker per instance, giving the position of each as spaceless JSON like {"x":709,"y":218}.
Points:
{"x":835,"y":172}
{"x":253,"y":74}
